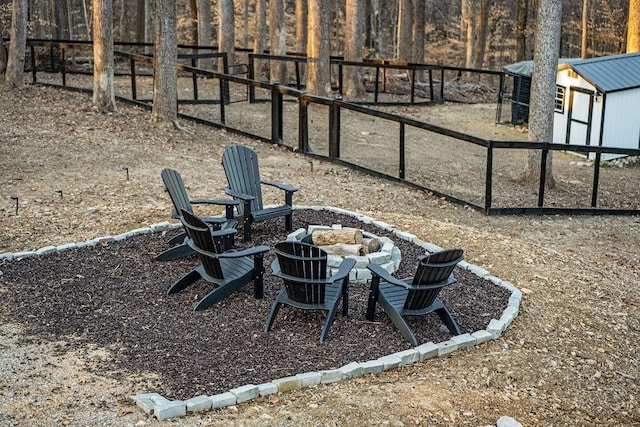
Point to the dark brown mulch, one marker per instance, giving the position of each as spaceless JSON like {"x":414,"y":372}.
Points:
{"x":114,"y":296}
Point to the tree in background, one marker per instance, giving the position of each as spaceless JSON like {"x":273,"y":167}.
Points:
{"x":103,"y":90}
{"x":301,"y":26}
{"x":318,"y":65}
{"x":17,"y":45}
{"x":482,"y":30}
{"x":354,"y":48}
{"x":203,"y":15}
{"x":165,"y":54}
{"x":259,"y":28}
{"x":633,"y":27}
{"x":543,"y":86}
{"x":404,"y":27}
{"x":521,"y":30}
{"x":278,"y":39}
{"x":3,"y":55}
{"x":226,"y":29}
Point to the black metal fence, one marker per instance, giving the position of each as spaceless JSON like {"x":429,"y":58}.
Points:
{"x":412,"y":154}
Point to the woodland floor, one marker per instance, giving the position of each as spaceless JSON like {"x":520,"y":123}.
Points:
{"x":569,"y":358}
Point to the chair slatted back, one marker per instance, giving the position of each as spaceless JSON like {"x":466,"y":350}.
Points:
{"x":431,"y":276}
{"x":240,"y":165}
{"x":175,"y":187}
{"x":304,"y":261}
{"x":200,"y":234}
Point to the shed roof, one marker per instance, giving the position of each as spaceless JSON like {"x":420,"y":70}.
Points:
{"x":525,"y":68}
{"x":610,"y":73}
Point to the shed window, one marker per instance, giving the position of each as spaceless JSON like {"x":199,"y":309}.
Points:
{"x":559,"y":108}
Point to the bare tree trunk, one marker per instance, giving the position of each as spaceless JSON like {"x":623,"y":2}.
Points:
{"x":419,"y":20}
{"x":17,"y":45}
{"x":226,"y":29}
{"x":245,"y":24}
{"x":204,"y":31}
{"x":148,"y":24}
{"x":585,"y":18}
{"x":468,"y":29}
{"x":633,"y":27}
{"x":165,"y":76}
{"x":353,"y":48}
{"x":543,"y":87}
{"x":521,"y":30}
{"x":3,"y":53}
{"x":318,"y":71}
{"x":405,"y":25}
{"x":141,"y":13}
{"x":259,"y":44}
{"x":301,"y":26}
{"x":278,"y":41}
{"x":482,"y":31}
{"x":103,"y":89}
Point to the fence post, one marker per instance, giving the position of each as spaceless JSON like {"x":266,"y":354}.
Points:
{"x":334,"y":128}
{"x":303,"y":125}
{"x":488,"y":183}
{"x":224,"y":95}
{"x":194,"y":78}
{"x":63,"y":67}
{"x":276,"y":114}
{"x":401,"y":168}
{"x":252,"y":75}
{"x":33,"y":63}
{"x":596,"y":180}
{"x":221,"y":83}
{"x":543,"y":175}
{"x":134,"y":89}
{"x":413,"y":85}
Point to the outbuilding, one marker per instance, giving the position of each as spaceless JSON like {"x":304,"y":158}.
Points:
{"x":597,"y":102}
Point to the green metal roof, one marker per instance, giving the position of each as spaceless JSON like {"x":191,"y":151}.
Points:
{"x":610,"y":73}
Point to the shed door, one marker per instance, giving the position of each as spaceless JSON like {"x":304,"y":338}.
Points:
{"x":579,"y":116}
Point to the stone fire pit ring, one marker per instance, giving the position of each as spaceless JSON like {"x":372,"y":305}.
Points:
{"x":388,"y":256}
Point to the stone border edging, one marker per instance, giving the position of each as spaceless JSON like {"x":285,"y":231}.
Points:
{"x":162,"y":408}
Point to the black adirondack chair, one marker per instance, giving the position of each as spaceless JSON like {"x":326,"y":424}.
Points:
{"x":175,"y":187}
{"x":415,"y":296}
{"x":227,"y":270}
{"x":303,"y":268}
{"x":243,"y":176}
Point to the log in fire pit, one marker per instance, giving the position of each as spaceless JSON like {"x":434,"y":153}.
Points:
{"x":340,"y":243}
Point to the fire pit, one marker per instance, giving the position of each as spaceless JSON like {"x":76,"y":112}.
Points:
{"x":360,"y":245}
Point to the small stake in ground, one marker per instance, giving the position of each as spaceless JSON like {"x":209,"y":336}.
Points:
{"x":124,"y":168}
{"x":60,"y":193}
{"x":16,"y":199}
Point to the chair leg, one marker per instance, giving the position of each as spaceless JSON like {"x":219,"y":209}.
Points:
{"x":448,"y":320}
{"x":174,"y":253}
{"x":258,"y":282}
{"x":374,"y":294}
{"x":274,"y":312}
{"x":186,"y":280}
{"x":288,"y":222}
{"x":329,"y":321}
{"x":402,"y":325}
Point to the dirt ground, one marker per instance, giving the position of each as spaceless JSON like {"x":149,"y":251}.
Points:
{"x":568,"y":359}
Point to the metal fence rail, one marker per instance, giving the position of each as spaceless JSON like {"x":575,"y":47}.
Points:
{"x":334,"y":109}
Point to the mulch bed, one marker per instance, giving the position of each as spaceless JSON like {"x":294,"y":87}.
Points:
{"x":114,"y":296}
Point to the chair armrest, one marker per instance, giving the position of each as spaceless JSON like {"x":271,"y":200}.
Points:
{"x":214,"y":202}
{"x":224,"y":232}
{"x":256,"y":250}
{"x":242,"y":196}
{"x":281,"y":186}
{"x":386,"y":276}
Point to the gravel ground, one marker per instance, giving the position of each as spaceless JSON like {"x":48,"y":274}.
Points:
{"x":570,"y":357}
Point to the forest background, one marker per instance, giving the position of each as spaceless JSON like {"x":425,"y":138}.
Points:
{"x":470,"y":33}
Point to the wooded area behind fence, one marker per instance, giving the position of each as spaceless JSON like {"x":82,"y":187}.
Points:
{"x":461,"y":168}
